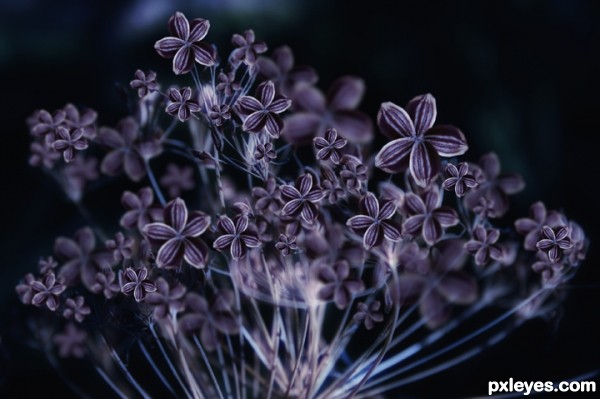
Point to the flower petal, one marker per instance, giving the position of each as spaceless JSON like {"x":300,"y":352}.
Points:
{"x":170,"y":253}
{"x":345,"y":93}
{"x":198,"y":29}
{"x":432,"y":230}
{"x":355,"y":126}
{"x":424,"y":164}
{"x":167,"y":47}
{"x":423,"y":111}
{"x":359,"y":222}
{"x":197,"y":224}
{"x":176,"y":214}
{"x":447,"y":140}
{"x":196,"y":252}
{"x":394,"y":156}
{"x":394,"y":121}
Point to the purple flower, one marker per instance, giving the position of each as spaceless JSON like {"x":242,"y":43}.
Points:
{"x":375,"y":224}
{"x":76,"y":309}
{"x":179,"y":236}
{"x":209,"y":320}
{"x":265,"y":151}
{"x":495,"y":187}
{"x":25,"y":290}
{"x":550,"y":271}
{"x":427,"y":217}
{"x":443,"y":285}
{"x":331,"y":185}
{"x":47,"y":265}
{"x":181,"y":103}
{"x":178,"y":179}
{"x":121,"y":247}
{"x":247,"y":48}
{"x":42,"y":153}
{"x":136,"y":283}
{"x":369,"y":314}
{"x":166,"y":299}
{"x":81,"y":259}
{"x":68,"y":142}
{"x":268,"y":197}
{"x":219,"y":114}
{"x":144,"y":83}
{"x":460,"y":179}
{"x":227,"y":84}
{"x":84,"y":123}
{"x":71,"y":342}
{"x":280,"y":69}
{"x":139,"y":209}
{"x":48,"y":124}
{"x":185,"y":46}
{"x":106,"y":283}
{"x":337,"y":284}
{"x":417,"y":144}
{"x":302,"y":199}
{"x":531,"y":227}
{"x":262,"y":111}
{"x":79,"y":173}
{"x":235,"y":238}
{"x":328,"y":147}
{"x":317,"y":112}
{"x":554,"y":241}
{"x":483,"y":245}
{"x":125,"y":153}
{"x":286,"y":244}
{"x":354,"y":172}
{"x":46,"y":291}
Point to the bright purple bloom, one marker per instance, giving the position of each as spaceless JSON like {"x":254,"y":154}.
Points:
{"x":328,"y":147}
{"x":531,"y":227}
{"x":302,"y":199}
{"x":185,"y":46}
{"x":376,"y":223}
{"x":236,"y":237}
{"x":68,"y":142}
{"x":262,"y":111}
{"x":181,"y":103}
{"x":417,"y":144}
{"x":427,"y":217}
{"x":81,"y":122}
{"x":460,"y":179}
{"x":46,"y":291}
{"x":554,"y":241}
{"x":136,"y":283}
{"x":178,"y":236}
{"x":144,"y":83}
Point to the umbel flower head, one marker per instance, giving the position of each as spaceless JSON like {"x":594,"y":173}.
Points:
{"x":261,"y":232}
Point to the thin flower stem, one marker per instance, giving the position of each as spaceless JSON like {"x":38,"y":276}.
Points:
{"x":208,"y":367}
{"x":169,"y":362}
{"x":110,"y":383}
{"x":154,"y":183}
{"x":128,"y":375}
{"x":156,"y":369}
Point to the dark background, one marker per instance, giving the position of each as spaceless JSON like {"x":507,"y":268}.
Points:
{"x":519,"y":77}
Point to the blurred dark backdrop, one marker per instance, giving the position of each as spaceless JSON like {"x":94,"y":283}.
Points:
{"x":519,"y":77}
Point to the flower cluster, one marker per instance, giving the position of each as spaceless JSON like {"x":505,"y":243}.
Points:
{"x":282,"y":234}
